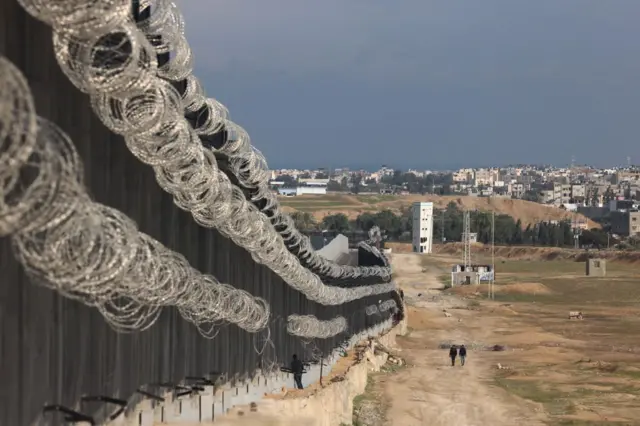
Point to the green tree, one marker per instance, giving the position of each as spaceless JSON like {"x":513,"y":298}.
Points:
{"x":365,"y":221}
{"x":390,"y":222}
{"x":532,"y":195}
{"x":336,"y":222}
{"x":287,"y":179}
{"x":356,"y":183}
{"x":344,"y":183}
{"x":608,"y":195}
{"x":594,"y":197}
{"x":304,"y":221}
{"x":518,"y":234}
{"x":567,"y":231}
{"x":332,"y":185}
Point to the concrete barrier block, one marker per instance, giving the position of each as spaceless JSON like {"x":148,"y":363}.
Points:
{"x":190,"y":409}
{"x":147,"y":417}
{"x":227,"y":399}
{"x":171,"y":412}
{"x":218,"y":409}
{"x":158,"y":412}
{"x":206,"y":407}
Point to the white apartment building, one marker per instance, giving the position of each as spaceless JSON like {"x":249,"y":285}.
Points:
{"x":463,"y":175}
{"x":485,"y":177}
{"x":422,"y":227}
{"x":517,"y":190}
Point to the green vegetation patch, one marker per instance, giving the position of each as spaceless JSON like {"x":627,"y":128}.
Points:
{"x":555,"y":402}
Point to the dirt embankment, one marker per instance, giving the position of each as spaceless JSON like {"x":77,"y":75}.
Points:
{"x":525,"y":252}
{"x":539,"y":253}
{"x":352,"y":205}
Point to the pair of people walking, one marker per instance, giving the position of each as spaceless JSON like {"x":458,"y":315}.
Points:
{"x":454,"y":352}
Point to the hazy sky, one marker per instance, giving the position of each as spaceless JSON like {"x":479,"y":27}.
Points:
{"x":424,"y":83}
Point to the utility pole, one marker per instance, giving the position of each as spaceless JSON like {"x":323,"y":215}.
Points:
{"x":493,"y":258}
{"x":466,"y":236}
{"x":577,"y":231}
{"x":442,"y":225}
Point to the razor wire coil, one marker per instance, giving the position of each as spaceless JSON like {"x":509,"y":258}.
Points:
{"x":116,"y":64}
{"x":90,"y":252}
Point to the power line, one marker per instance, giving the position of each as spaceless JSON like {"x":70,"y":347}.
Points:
{"x":466,"y":236}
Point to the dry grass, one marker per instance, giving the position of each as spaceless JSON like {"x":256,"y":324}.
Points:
{"x":353,"y":205}
{"x":482,"y":252}
{"x":579,"y":372}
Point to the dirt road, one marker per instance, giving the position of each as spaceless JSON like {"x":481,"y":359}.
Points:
{"x":431,"y":392}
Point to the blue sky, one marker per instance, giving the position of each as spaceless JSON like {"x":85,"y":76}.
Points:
{"x":430,"y":84}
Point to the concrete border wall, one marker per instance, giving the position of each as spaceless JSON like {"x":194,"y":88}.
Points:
{"x":60,"y":350}
{"x":249,"y":402}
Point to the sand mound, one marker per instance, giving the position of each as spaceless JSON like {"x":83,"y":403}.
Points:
{"x":523,"y":288}
{"x":352,"y":205}
{"x":537,"y":253}
{"x":468,"y":290}
{"x":519,"y":288}
{"x":503,"y":310}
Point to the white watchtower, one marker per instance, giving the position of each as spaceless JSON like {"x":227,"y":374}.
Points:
{"x":422,"y":226}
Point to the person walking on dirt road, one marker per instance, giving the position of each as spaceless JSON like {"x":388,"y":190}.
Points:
{"x":453,"y":353}
{"x":463,"y":354}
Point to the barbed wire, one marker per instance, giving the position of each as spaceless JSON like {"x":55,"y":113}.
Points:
{"x":117,"y":66}
{"x":246,"y":163}
{"x":18,"y":131}
{"x":311,"y":327}
{"x":88,"y":251}
{"x":381,"y":307}
{"x":372,"y":310}
{"x":387,"y":305}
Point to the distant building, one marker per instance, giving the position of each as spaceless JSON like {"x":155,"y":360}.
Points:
{"x":622,"y":205}
{"x":422,"y":227}
{"x":593,"y":212}
{"x":463,"y":175}
{"x":313,"y":182}
{"x":473,"y":237}
{"x":485,"y":177}
{"x":474,"y":274}
{"x":306,"y":186}
{"x":626,"y":176}
{"x":561,"y":193}
{"x":626,"y":223}
{"x":547,"y":196}
{"x":517,"y":190}
{"x":578,"y":193}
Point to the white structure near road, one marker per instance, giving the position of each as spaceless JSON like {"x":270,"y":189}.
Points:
{"x":303,"y":190}
{"x":422,"y":226}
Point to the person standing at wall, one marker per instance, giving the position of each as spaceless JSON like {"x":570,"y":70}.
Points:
{"x":297,"y":368}
{"x":453,"y":353}
{"x":463,"y":354}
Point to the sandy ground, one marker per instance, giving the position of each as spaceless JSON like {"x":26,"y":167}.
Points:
{"x":431,"y":391}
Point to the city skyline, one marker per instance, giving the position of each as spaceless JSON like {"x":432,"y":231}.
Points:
{"x":372,"y":168}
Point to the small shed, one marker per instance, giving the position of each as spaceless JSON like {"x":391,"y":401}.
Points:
{"x":596,"y":267}
{"x":473,"y":274}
